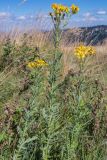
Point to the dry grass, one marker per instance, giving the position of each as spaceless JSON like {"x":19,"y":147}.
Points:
{"x":40,"y":39}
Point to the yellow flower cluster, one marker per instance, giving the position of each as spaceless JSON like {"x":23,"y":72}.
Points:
{"x":59,"y":8}
{"x":82,"y":51}
{"x":74,"y":9}
{"x":37,"y":63}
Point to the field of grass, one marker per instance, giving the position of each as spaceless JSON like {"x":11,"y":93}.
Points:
{"x":53,"y":102}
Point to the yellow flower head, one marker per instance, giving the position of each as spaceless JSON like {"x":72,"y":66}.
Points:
{"x":82,"y":51}
{"x":63,"y":8}
{"x":31,"y":65}
{"x":59,"y":8}
{"x":54,"y":6}
{"x":37,"y":63}
{"x":74,"y":9}
{"x":91,"y":50}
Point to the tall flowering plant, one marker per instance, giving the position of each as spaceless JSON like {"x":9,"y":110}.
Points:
{"x":53,"y":140}
{"x":62,"y":120}
{"x":59,"y":15}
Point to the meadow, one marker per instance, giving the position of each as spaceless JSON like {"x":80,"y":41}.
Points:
{"x":53,"y":102}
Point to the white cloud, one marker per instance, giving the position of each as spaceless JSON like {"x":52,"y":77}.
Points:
{"x":92,"y":18}
{"x":24,"y":0}
{"x":31,"y":16}
{"x":87,"y":14}
{"x":88,"y":17}
{"x":26,"y":17}
{"x":4,"y":15}
{"x":21,"y":18}
{"x":102,"y":12}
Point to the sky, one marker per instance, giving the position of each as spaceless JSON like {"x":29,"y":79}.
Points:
{"x":25,"y":12}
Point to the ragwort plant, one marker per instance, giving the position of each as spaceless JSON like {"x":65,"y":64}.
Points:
{"x":64,"y":119}
{"x":54,"y":137}
{"x":85,"y":100}
{"x":47,"y":117}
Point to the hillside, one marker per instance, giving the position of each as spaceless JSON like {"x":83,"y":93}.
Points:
{"x":95,"y":35}
{"x":90,"y":35}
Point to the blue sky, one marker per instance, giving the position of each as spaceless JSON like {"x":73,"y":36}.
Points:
{"x":92,"y":12}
